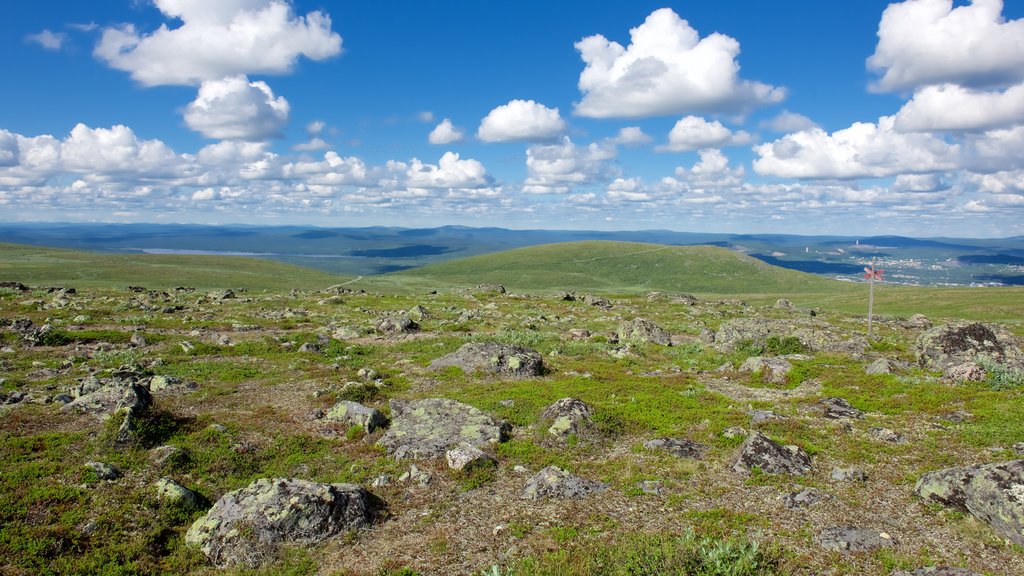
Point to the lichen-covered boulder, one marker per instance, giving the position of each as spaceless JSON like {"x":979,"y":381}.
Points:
{"x":501,"y":359}
{"x":772,"y":369}
{"x":355,"y":414}
{"x":642,"y":331}
{"x":430,"y":427}
{"x":246,"y":526}
{"x":679,"y":447}
{"x":568,"y":417}
{"x":814,"y":335}
{"x":554,"y":482}
{"x":992,"y":493}
{"x":960,"y":342}
{"x":759,"y":451}
{"x":117,"y":398}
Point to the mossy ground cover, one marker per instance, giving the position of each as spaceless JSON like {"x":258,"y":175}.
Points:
{"x":252,"y":415}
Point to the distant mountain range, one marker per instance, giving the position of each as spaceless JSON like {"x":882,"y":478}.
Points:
{"x":379,"y":250}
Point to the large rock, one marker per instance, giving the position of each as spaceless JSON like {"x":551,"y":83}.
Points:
{"x":960,"y":342}
{"x":759,"y":451}
{"x":554,"y":482}
{"x":355,"y":414}
{"x":773,"y":370}
{"x":992,"y":493}
{"x":501,"y":359}
{"x":641,"y":331}
{"x":428,"y":428}
{"x":568,"y":417}
{"x":814,"y":335}
{"x":396,"y":325}
{"x":126,"y":400}
{"x":246,"y":526}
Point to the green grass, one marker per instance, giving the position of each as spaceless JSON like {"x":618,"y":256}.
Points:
{"x":53,"y":266}
{"x":619,"y":267}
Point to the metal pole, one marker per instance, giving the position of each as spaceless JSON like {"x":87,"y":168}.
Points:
{"x":871,"y":298}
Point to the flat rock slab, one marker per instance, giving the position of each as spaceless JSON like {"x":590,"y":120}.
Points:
{"x":759,"y":451}
{"x":853,"y":539}
{"x":246,"y":526}
{"x":814,"y":335}
{"x":992,"y":493}
{"x":553,"y":482}
{"x":679,"y":447}
{"x":741,"y":393}
{"x":428,"y":428}
{"x":804,"y":498}
{"x":494,"y":357}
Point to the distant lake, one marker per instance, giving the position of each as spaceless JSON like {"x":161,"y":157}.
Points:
{"x":231,"y":253}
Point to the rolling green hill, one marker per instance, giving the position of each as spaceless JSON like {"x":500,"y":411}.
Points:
{"x":622,"y":267}
{"x":55,"y":266}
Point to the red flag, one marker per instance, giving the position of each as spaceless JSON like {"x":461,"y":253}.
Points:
{"x":872,"y":274}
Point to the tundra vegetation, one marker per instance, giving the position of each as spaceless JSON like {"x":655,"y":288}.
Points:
{"x":273,"y":421}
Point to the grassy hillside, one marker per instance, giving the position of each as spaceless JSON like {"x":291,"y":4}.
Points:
{"x":622,"y":267}
{"x":36,"y":265}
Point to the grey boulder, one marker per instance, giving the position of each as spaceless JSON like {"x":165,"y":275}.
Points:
{"x":554,"y":482}
{"x":992,"y":493}
{"x":501,"y":359}
{"x":430,"y":427}
{"x":246,"y":526}
{"x":759,"y":451}
{"x":642,"y":331}
{"x":355,"y":414}
{"x":852,"y":539}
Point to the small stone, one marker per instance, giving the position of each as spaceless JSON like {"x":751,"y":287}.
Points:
{"x":848,"y":539}
{"x":762,"y":416}
{"x":836,"y":408}
{"x":173,"y":493}
{"x":887,"y":435}
{"x":104,"y":471}
{"x":734,"y":432}
{"x":466,"y":457}
{"x":804,"y":498}
{"x":554,"y":482}
{"x":679,"y":447}
{"x":653,"y":487}
{"x":138,"y":340}
{"x":849,"y":475}
{"x":187,"y":347}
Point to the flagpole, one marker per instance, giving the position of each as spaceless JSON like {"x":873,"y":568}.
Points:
{"x":871,"y":298}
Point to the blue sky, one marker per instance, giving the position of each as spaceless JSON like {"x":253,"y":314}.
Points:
{"x":732,"y":116}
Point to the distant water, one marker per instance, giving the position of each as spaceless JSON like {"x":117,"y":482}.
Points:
{"x":230,"y":253}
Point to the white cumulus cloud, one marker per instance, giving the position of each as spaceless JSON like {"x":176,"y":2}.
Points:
{"x":953,"y":107}
{"x":694,"y":133}
{"x":863,"y":150}
{"x":666,"y":69}
{"x":218,"y":39}
{"x":923,"y":42}
{"x":450,"y":172}
{"x":557,"y":168}
{"x":445,"y":133}
{"x":8,"y":148}
{"x":236,"y":109}
{"x":521,"y":120}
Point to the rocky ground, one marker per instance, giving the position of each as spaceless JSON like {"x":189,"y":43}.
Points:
{"x":340,"y":432}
